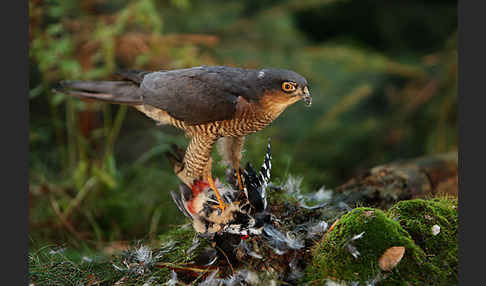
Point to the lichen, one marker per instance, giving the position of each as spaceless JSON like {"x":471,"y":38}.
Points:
{"x":333,"y":259}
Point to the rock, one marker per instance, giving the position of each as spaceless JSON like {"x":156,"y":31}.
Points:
{"x":385,"y":185}
{"x":391,"y":257}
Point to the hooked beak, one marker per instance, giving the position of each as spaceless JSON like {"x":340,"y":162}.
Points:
{"x":307,"y":97}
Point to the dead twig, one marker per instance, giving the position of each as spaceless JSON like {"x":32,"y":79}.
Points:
{"x":227,"y":259}
{"x":173,"y":266}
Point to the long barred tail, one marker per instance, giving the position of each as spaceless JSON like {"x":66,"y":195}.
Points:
{"x":127,"y":91}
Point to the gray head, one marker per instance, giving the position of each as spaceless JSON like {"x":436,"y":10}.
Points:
{"x":286,"y":81}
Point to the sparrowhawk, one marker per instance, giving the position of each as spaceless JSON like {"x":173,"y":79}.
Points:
{"x":208,"y":103}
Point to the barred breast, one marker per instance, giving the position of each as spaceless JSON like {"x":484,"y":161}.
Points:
{"x":238,"y":126}
{"x":249,"y":118}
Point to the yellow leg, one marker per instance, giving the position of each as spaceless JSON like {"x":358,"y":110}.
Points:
{"x":222,"y":205}
{"x":240,"y":182}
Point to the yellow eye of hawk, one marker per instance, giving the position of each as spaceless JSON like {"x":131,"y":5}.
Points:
{"x":288,"y":86}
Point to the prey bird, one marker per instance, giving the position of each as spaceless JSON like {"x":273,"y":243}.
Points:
{"x":208,"y":103}
{"x":246,"y":212}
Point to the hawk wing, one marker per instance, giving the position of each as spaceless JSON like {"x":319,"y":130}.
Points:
{"x":197,"y":95}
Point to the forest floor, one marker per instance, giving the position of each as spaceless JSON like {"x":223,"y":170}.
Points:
{"x":394,"y":224}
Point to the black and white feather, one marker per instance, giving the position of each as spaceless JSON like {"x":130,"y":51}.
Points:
{"x":255,"y":184}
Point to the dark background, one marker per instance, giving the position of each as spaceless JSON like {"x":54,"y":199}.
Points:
{"x":383,"y":75}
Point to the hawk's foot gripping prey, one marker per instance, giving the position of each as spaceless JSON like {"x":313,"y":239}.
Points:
{"x":245,"y":213}
{"x":208,"y":103}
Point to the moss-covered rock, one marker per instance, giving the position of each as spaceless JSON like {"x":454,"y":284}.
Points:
{"x":433,"y":225}
{"x":333,"y":258}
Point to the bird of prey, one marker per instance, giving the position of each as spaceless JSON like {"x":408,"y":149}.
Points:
{"x":208,"y":103}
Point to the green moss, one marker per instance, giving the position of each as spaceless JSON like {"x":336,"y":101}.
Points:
{"x":418,"y":217}
{"x":332,"y":260}
{"x":182,"y":236}
{"x":181,"y":233}
{"x":68,"y":268}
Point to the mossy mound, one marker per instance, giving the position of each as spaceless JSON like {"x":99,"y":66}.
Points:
{"x":333,"y":259}
{"x":433,"y":225}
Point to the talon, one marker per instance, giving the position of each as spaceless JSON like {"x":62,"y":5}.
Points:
{"x":221,"y":205}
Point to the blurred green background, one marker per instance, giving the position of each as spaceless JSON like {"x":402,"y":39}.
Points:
{"x":383,"y":75}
